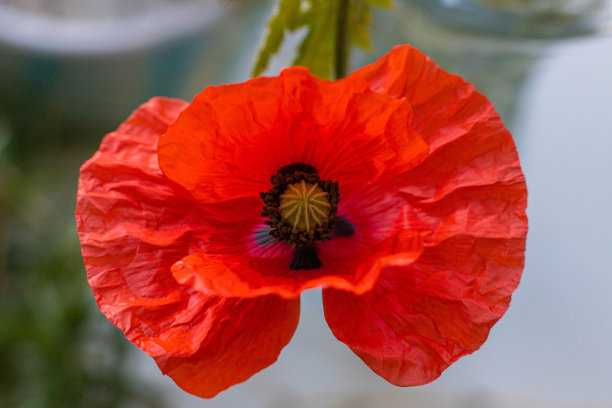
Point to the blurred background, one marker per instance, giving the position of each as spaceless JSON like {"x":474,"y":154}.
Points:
{"x":72,"y":70}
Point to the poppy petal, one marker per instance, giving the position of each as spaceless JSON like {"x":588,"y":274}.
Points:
{"x":468,"y":143}
{"x":134,"y":224}
{"x":242,"y":275}
{"x":242,"y":259}
{"x":232,"y":138}
{"x":419,"y":319}
{"x":471,"y":182}
{"x":373,"y":214}
{"x":241,"y":337}
{"x":468,"y":200}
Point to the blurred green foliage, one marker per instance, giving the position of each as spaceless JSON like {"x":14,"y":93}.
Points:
{"x":56,"y":348}
{"x":319,"y":18}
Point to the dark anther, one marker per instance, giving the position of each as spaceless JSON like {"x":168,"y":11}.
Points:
{"x":301,"y":209}
{"x":343,"y":227}
{"x":305,"y":257}
{"x":301,"y":167}
{"x":321,"y":217}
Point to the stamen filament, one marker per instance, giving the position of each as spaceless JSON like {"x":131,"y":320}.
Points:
{"x":289,"y":195}
{"x":321,"y":203}
{"x":304,"y":206}
{"x":293,"y":188}
{"x":308,"y":194}
{"x":287,"y":204}
{"x":291,"y":211}
{"x":318,"y":210}
{"x":306,"y":217}
{"x":315,"y":217}
{"x":297,"y":217}
{"x":301,"y":209}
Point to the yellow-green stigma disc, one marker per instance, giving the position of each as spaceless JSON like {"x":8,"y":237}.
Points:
{"x":304,"y":206}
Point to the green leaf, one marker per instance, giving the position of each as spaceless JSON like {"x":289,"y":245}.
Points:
{"x":285,"y":17}
{"x":317,"y":51}
{"x":380,"y":3}
{"x":359,"y":23}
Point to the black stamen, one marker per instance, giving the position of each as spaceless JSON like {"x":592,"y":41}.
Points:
{"x":305,"y":257}
{"x":320,"y":206}
{"x":343,"y":227}
{"x":292,"y":168}
{"x":280,"y":228}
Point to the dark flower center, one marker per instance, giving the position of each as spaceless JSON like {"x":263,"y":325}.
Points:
{"x":301,"y":209}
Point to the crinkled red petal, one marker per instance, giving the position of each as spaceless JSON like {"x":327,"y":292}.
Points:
{"x":243,"y":260}
{"x":419,"y":319}
{"x":134,"y":224}
{"x":468,"y":200}
{"x":232,"y":138}
{"x":242,"y":275}
{"x":240,"y":337}
{"x":226,"y":144}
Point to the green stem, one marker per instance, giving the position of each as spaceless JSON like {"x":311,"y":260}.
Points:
{"x":342,"y":40}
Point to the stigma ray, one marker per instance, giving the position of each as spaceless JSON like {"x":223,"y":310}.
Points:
{"x":301,"y":209}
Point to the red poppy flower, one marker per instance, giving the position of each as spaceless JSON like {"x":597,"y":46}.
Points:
{"x":397,"y":190}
